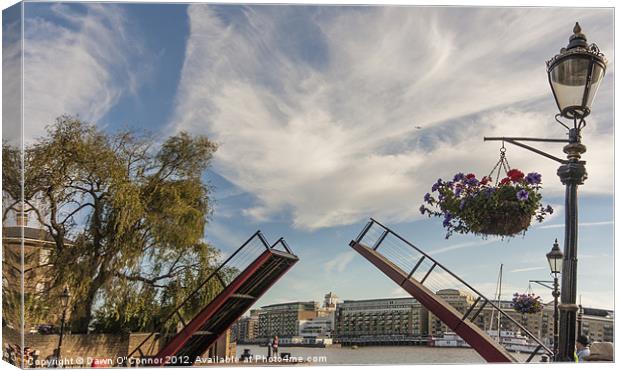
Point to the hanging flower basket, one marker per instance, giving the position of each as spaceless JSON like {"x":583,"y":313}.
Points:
{"x":527,"y":303}
{"x":469,"y":205}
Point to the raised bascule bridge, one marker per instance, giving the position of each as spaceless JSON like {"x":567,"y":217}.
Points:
{"x":422,"y":276}
{"x":230,"y":290}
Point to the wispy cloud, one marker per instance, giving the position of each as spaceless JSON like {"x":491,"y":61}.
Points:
{"x":463,"y":245}
{"x":581,"y":224}
{"x":339,"y":263}
{"x":525,"y":269}
{"x":331,"y":121}
{"x":80,"y":66}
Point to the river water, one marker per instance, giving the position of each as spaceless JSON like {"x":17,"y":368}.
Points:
{"x":375,"y":355}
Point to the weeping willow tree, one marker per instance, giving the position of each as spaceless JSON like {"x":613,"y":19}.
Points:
{"x":135,"y":214}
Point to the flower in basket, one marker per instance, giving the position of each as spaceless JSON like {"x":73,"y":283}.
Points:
{"x":471,"y":205}
{"x":527,"y":303}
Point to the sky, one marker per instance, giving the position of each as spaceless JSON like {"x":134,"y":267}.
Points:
{"x":329,"y":115}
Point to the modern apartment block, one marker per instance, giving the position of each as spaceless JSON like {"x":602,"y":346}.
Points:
{"x":381,"y":317}
{"x":246,"y":328}
{"x":284,"y":319}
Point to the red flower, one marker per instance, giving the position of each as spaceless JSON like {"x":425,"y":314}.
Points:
{"x":485,"y":180}
{"x":470,"y":176}
{"x":516,"y":175}
{"x":505,"y":180}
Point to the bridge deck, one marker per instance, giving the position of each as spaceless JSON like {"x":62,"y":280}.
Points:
{"x":260,"y":267}
{"x":416,"y":272}
{"x":227,"y":307}
{"x":489,"y":349}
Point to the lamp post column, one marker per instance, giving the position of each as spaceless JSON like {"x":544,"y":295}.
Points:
{"x":62,"y":332}
{"x":572,"y":174}
{"x":556,"y":314}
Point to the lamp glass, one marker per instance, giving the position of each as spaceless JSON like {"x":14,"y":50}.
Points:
{"x":555,"y":263}
{"x":569,"y":78}
{"x":64,"y":298}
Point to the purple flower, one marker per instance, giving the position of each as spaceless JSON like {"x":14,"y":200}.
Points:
{"x":422,"y":209}
{"x":462,"y":205}
{"x":446,"y":219}
{"x":427,"y":197}
{"x":522,"y":194}
{"x":472,"y":182}
{"x":457,"y":192}
{"x":458,"y":177}
{"x":533,"y":178}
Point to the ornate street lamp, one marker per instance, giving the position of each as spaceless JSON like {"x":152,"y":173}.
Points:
{"x":575,"y":75}
{"x":64,"y":301}
{"x":555,"y":264}
{"x":555,"y":258}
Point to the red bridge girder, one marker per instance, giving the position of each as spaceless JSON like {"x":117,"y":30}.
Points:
{"x":488,"y":348}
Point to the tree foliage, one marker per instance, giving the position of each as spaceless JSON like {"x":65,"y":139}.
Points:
{"x":134,"y":214}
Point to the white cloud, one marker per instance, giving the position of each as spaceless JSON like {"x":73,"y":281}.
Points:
{"x":79,"y":67}
{"x":463,"y":245}
{"x":339,"y":263}
{"x":581,"y":224}
{"x":11,"y":80}
{"x":318,"y":117}
{"x":526,"y":269}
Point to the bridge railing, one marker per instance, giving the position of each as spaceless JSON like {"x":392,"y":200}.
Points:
{"x":216,"y":281}
{"x":425,"y":269}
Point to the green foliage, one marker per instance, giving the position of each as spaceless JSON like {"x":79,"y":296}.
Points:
{"x":127,"y":219}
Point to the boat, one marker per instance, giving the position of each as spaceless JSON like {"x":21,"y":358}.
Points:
{"x":513,"y":341}
{"x":449,"y":339}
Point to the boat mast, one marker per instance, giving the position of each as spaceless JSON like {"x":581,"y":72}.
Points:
{"x":499,"y":300}
{"x":498,"y":293}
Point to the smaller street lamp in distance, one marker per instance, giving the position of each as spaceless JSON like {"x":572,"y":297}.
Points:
{"x":64,"y":301}
{"x":555,"y":258}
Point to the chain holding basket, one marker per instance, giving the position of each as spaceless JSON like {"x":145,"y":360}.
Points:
{"x":502,"y":164}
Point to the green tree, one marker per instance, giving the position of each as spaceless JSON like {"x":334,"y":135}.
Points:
{"x":135,"y":214}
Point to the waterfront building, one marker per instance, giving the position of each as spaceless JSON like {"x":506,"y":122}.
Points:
{"x":284,"y":319}
{"x":457,"y":299}
{"x":330,"y":302}
{"x":318,"y":327}
{"x":246,"y":328}
{"x":534,"y":323}
{"x":372,"y":318}
{"x":598,"y":325}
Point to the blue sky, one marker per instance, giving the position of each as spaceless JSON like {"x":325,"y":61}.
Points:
{"x":317,"y":112}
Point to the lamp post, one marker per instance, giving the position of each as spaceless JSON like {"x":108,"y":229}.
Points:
{"x":555,"y":264}
{"x":575,"y":75}
{"x":64,"y":300}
